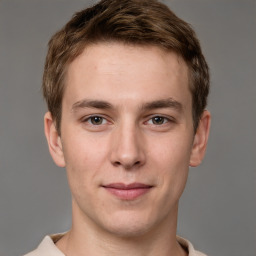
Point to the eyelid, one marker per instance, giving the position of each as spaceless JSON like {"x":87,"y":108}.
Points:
{"x":108,"y":120}
{"x":168,"y":118}
{"x":88,"y":117}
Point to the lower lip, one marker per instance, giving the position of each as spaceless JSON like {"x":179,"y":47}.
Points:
{"x":128,"y":194}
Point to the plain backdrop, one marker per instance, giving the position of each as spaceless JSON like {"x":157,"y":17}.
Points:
{"x":218,"y":208}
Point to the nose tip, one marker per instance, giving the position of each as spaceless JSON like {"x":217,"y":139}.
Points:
{"x":127,"y":163}
{"x":127,"y":150}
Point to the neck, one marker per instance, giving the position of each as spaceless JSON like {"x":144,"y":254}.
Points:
{"x":86,"y":238}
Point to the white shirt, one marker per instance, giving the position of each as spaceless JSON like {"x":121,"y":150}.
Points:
{"x":48,"y":248}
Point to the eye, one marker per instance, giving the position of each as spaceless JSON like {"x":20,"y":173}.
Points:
{"x":158,"y":120}
{"x":96,"y":120}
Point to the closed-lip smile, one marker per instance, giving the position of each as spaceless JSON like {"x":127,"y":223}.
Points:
{"x":128,"y":191}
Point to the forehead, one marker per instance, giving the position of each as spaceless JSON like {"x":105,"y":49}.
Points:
{"x":127,"y":71}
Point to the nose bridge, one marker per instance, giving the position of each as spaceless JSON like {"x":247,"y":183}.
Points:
{"x":127,"y":147}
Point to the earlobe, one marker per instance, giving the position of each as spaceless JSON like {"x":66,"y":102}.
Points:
{"x":54,"y":141}
{"x":200,"y":140}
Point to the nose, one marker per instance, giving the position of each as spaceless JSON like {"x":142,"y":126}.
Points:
{"x":127,"y":147}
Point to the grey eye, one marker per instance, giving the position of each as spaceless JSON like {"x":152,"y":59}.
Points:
{"x":158,"y":120}
{"x":96,"y":120}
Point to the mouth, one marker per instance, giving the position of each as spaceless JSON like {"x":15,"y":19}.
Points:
{"x":127,"y":191}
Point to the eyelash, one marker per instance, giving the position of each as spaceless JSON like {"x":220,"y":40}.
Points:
{"x":89,"y":120}
{"x":104,"y":120}
{"x":164,"y":120}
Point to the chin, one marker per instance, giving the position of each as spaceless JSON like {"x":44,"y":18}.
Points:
{"x":125,"y":226}
{"x":129,"y":231}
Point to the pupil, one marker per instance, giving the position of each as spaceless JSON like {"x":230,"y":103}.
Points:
{"x":158,"y":120}
{"x":97,"y":120}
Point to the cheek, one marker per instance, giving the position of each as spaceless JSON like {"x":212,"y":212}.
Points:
{"x":84,"y":157}
{"x":83,"y":150}
{"x":172,"y":163}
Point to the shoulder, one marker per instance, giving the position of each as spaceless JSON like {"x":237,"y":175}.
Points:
{"x":190,"y":248}
{"x":47,"y":247}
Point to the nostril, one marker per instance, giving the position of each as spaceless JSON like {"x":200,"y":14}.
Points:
{"x":137,"y":163}
{"x":127,"y":165}
{"x":116,"y":163}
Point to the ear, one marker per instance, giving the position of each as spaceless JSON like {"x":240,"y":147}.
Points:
{"x":54,"y":141}
{"x":200,"y":139}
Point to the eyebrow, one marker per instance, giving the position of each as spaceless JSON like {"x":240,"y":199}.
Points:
{"x":101,"y":104}
{"x":163,"y":103}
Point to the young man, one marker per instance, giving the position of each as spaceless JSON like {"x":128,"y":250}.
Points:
{"x":126,"y":86}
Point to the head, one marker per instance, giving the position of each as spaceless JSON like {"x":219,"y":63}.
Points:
{"x":126,"y":86}
{"x":132,"y":22}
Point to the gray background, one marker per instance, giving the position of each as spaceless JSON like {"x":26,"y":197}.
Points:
{"x":218,"y":208}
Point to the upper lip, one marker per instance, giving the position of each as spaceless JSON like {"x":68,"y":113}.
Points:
{"x":123,"y":186}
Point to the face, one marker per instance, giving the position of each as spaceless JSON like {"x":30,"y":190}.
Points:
{"x":127,"y":137}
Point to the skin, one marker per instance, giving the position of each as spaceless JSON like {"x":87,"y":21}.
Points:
{"x":126,"y":118}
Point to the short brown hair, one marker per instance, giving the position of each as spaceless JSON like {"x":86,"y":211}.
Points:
{"x":138,"y":22}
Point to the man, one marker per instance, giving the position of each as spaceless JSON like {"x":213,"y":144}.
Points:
{"x":126,"y":86}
